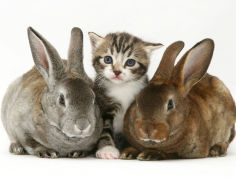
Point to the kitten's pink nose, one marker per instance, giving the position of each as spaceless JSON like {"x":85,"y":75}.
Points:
{"x":117,"y":72}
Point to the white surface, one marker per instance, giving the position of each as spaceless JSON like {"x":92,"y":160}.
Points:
{"x":162,"y":21}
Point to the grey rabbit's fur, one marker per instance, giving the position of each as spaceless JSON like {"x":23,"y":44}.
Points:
{"x":51,"y":110}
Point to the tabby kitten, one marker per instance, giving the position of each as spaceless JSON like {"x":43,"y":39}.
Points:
{"x":121,"y":62}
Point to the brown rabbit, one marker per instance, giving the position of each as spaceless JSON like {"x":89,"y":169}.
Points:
{"x":183,"y":112}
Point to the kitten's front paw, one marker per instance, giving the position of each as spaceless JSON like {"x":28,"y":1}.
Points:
{"x":108,"y":152}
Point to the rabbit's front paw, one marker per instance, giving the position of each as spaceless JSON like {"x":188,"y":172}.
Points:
{"x":108,"y":152}
{"x":46,"y":153}
{"x":129,"y":153}
{"x":151,"y":155}
{"x":77,"y":154}
{"x":17,"y":149}
{"x":218,"y":149}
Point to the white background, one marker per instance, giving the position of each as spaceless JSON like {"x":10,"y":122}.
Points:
{"x":162,"y":21}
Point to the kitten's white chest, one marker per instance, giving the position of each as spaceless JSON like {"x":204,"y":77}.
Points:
{"x":124,"y":94}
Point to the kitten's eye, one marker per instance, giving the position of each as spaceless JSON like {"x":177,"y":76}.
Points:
{"x":170,"y":105}
{"x":107,"y":60}
{"x":130,"y":62}
{"x":62,"y":100}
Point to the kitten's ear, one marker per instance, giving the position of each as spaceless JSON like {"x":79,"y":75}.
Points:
{"x":149,"y":47}
{"x":95,"y":40}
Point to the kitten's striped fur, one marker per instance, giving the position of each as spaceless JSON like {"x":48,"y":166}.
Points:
{"x":115,"y":95}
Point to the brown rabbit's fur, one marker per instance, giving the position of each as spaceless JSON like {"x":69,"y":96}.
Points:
{"x":202,"y":121}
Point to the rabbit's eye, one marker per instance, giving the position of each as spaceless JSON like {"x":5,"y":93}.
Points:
{"x":170,"y":105}
{"x":62,"y":100}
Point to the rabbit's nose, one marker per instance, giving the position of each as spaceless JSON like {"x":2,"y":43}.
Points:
{"x":82,"y":123}
{"x":159,"y":132}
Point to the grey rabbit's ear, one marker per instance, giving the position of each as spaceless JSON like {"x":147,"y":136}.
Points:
{"x":75,"y":54}
{"x":167,"y":63}
{"x":46,"y":58}
{"x":193,"y":65}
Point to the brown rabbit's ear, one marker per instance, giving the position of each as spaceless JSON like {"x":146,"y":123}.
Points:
{"x":95,"y":40}
{"x":193,"y":65}
{"x":166,"y":65}
{"x":46,"y":58}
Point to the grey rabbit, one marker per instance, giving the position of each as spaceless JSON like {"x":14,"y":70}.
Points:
{"x":51,"y":110}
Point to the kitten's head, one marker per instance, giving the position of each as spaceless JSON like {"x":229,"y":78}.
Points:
{"x":121,"y":57}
